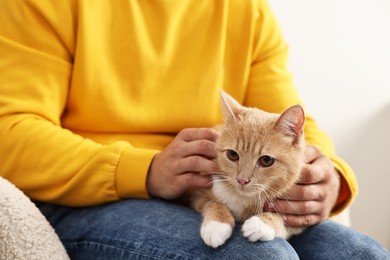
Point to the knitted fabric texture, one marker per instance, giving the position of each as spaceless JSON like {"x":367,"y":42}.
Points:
{"x":24,"y":231}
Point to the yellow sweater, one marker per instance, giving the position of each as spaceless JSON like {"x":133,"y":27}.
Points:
{"x":91,"y":90}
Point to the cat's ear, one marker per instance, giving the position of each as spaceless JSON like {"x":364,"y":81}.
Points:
{"x":291,"y":122}
{"x":230,"y":107}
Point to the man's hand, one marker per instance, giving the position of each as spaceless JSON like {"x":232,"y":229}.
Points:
{"x":186,"y":162}
{"x":310,"y":200}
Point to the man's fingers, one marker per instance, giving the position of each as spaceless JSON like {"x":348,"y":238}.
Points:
{"x":302,"y":193}
{"x":311,"y":154}
{"x":301,"y":221}
{"x":293,"y":207}
{"x":186,"y":162}
{"x":309,"y":201}
{"x":192,"y":134}
{"x":311,"y":174}
{"x":297,"y":214}
{"x":195,"y":180}
{"x":204,"y":148}
{"x":197,"y":164}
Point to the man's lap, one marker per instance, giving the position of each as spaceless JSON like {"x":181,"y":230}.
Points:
{"x":147,"y":229}
{"x":330,"y":240}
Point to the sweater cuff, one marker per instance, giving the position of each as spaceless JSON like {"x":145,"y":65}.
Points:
{"x":132,"y":171}
{"x":348,"y":187}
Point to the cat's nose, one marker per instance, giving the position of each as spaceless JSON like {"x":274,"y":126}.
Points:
{"x":243,"y":181}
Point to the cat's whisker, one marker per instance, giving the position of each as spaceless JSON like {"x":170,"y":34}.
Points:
{"x":225,"y":181}
{"x":284,"y":197}
{"x":220,"y":177}
{"x":259,"y":204}
{"x":280,"y":211}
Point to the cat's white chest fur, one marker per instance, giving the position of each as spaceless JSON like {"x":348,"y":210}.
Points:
{"x":234,"y":201}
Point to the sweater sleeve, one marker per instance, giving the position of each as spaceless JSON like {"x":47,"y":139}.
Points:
{"x":50,"y":163}
{"x":271,"y":88}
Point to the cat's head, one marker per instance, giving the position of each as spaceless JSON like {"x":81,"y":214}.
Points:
{"x":259,"y":152}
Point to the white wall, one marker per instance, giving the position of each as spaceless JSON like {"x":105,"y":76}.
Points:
{"x":340,"y":58}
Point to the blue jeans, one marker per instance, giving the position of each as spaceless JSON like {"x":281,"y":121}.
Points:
{"x":155,"y":229}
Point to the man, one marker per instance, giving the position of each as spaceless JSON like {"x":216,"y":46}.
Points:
{"x":107,"y":103}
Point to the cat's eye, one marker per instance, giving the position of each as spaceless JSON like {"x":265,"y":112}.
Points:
{"x":232,"y":155}
{"x":265,"y":161}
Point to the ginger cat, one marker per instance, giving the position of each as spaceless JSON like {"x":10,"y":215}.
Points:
{"x":260,"y":156}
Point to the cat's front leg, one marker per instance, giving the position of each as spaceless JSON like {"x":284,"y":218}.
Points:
{"x":215,"y":233}
{"x":217,"y":225}
{"x":263,"y":227}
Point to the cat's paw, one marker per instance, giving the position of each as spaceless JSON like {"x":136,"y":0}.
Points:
{"x":215,"y":233}
{"x":255,"y":229}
